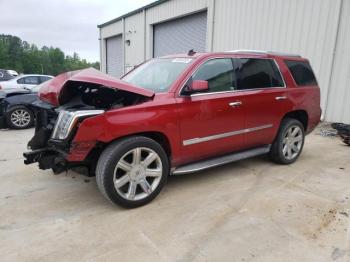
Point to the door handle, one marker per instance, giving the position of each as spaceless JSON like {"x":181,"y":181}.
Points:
{"x":280,"y":97}
{"x":234,"y":104}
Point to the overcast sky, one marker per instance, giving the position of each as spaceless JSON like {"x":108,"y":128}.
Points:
{"x":68,"y":24}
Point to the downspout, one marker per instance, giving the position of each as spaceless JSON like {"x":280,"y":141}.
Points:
{"x":212,"y":27}
{"x":340,"y":14}
{"x":123,"y":40}
{"x":100,"y":41}
{"x":144,"y":35}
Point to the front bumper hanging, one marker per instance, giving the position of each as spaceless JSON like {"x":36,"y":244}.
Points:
{"x":47,"y":159}
{"x":33,"y":156}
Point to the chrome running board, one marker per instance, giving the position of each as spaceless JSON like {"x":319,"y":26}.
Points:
{"x":218,"y":161}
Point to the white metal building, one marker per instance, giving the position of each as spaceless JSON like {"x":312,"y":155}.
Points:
{"x":317,"y":29}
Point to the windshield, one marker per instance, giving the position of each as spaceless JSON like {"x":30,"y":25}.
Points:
{"x":157,"y":74}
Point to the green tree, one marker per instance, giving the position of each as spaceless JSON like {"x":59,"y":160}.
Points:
{"x":28,"y":58}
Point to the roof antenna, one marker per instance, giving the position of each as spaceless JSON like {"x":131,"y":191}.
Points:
{"x":191,"y":52}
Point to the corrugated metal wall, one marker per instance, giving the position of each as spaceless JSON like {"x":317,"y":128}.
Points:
{"x":135,"y":33}
{"x":170,"y":10}
{"x":338,"y":105}
{"x":307,"y":27}
{"x":114,"y":56}
{"x":105,"y":33}
{"x":180,"y":35}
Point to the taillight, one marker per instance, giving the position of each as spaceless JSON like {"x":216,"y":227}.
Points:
{"x":0,"y":87}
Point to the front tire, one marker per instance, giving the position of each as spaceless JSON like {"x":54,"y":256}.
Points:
{"x":289,"y":142}
{"x":131,"y":172}
{"x":20,"y":117}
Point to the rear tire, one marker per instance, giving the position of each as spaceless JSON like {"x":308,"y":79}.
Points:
{"x":289,"y":142}
{"x":131,"y":172}
{"x":20,"y":117}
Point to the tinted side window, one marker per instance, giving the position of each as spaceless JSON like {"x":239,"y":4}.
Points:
{"x":218,"y":73}
{"x":20,"y":81}
{"x":302,"y":73}
{"x":31,"y":80}
{"x":44,"y":79}
{"x":257,"y":73}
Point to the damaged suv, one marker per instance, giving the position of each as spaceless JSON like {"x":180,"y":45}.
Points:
{"x":174,"y":115}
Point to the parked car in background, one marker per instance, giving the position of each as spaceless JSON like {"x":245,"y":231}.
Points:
{"x":13,"y":73}
{"x":16,"y":110}
{"x":25,"y":81}
{"x":175,"y":115}
{"x":4,"y":75}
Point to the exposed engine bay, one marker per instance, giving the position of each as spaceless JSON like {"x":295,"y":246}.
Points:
{"x":82,"y":95}
{"x":65,"y":102}
{"x":56,"y":126}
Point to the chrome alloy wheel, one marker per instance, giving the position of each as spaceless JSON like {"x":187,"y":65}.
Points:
{"x":20,"y":118}
{"x":138,"y":173}
{"x":292,"y":142}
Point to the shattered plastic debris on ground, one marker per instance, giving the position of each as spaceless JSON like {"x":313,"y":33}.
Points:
{"x":343,"y":131}
{"x":326,"y":130}
{"x":335,"y":130}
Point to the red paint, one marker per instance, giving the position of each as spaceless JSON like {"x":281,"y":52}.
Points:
{"x":200,"y":85}
{"x":79,"y":150}
{"x":181,"y":118}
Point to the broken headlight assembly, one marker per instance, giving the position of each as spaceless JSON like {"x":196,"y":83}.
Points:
{"x":67,"y":120}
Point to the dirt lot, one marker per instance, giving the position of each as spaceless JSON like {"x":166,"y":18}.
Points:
{"x":251,"y":210}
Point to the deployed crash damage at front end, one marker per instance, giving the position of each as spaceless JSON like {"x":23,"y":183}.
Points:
{"x":65,"y":102}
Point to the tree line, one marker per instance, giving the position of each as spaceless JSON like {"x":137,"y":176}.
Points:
{"x":27,"y":58}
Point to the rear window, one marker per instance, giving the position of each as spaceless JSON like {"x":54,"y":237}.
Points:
{"x":301,"y":72}
{"x":254,"y":73}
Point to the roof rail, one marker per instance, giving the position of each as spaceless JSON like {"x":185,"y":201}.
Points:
{"x":265,"y":52}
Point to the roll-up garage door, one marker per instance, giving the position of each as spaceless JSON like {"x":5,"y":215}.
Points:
{"x":180,"y":35}
{"x":114,"y":56}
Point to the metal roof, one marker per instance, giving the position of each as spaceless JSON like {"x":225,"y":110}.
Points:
{"x":132,"y":12}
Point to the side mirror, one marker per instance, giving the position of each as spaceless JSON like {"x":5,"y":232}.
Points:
{"x":199,"y":85}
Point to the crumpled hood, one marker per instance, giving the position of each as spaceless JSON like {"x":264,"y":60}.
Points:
{"x":51,"y":90}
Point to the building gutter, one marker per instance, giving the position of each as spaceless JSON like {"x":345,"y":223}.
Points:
{"x":132,"y":12}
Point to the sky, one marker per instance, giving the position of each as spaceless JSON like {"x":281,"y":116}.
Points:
{"x":70,"y":25}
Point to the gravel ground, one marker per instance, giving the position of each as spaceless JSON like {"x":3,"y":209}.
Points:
{"x":252,"y":210}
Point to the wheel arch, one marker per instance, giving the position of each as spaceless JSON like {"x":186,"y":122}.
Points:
{"x":300,"y":115}
{"x":11,"y":107}
{"x":157,"y":136}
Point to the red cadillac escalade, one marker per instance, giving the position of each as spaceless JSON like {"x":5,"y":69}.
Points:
{"x":174,"y":115}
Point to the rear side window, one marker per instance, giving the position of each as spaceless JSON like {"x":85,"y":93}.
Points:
{"x":255,"y":73}
{"x":29,"y":80}
{"x":20,"y":81}
{"x":301,"y":72}
{"x":44,"y":79}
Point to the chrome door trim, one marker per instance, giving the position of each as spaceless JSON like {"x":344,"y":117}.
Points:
{"x":223,"y":135}
{"x":280,"y":98}
{"x":234,"y":104}
{"x":212,"y":93}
